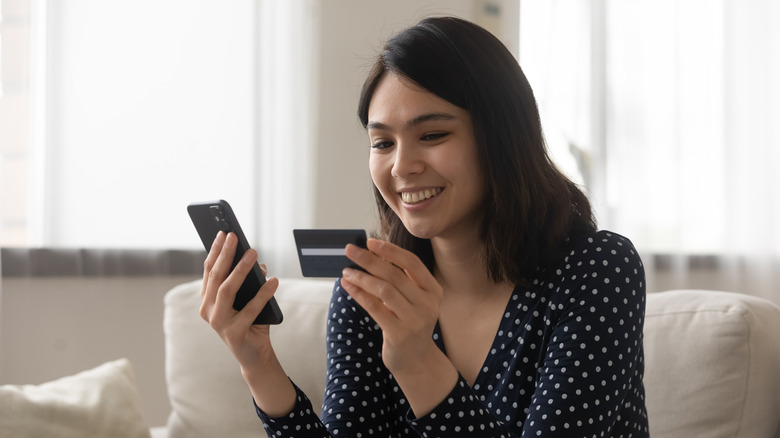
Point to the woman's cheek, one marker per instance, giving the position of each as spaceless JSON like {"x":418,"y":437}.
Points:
{"x":381,"y":176}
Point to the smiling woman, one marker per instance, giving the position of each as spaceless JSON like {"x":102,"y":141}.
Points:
{"x":424,"y":159}
{"x":488,"y":303}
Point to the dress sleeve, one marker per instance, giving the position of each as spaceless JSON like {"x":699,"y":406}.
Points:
{"x":358,"y":399}
{"x":360,"y":396}
{"x":460,"y":414}
{"x":592,"y":369}
{"x":300,"y":422}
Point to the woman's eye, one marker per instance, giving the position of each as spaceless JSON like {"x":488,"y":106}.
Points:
{"x":433,"y":136}
{"x":381,"y":145}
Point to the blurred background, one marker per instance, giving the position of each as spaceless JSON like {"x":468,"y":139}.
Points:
{"x":114,"y":115}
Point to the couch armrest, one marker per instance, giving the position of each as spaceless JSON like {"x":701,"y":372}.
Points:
{"x":207,"y":393}
{"x":712,"y":361}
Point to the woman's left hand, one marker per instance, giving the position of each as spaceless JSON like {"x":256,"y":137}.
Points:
{"x":403,"y":297}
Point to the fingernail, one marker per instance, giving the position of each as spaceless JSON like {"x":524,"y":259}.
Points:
{"x":248,"y":257}
{"x":352,"y":249}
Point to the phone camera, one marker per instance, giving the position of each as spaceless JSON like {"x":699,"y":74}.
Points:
{"x":219,"y":218}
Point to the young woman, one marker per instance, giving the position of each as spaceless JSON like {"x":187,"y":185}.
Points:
{"x":490,"y":305}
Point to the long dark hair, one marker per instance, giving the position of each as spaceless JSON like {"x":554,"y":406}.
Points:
{"x":530,"y":209}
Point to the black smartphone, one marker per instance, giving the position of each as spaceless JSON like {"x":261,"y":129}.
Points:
{"x":212,"y":217}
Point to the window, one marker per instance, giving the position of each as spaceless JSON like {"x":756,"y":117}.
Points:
{"x":670,"y":108}
{"x":123,"y":122}
{"x":15,"y":109}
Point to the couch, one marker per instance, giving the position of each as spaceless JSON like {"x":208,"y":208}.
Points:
{"x":712,"y":364}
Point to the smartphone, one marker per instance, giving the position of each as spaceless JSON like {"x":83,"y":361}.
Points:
{"x":212,"y":217}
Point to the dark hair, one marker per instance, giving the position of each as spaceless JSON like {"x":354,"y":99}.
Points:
{"x":530,"y":209}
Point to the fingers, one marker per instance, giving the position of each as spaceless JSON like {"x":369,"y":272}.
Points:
{"x":394,"y":265}
{"x":375,"y":295}
{"x":406,"y":260}
{"x":211,"y":280}
{"x":397,"y":285}
{"x":383,"y":280}
{"x":246,"y":317}
{"x":220,"y":283}
{"x":211,"y":259}
{"x":226,"y":292}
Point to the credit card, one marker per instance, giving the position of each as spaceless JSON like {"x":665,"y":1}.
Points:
{"x":322,"y":252}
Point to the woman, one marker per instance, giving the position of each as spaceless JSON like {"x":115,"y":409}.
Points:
{"x":490,"y":306}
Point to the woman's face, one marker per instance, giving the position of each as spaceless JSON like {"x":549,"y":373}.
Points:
{"x":424,"y":160}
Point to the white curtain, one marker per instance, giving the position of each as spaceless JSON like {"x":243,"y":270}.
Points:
{"x":138,"y":109}
{"x":141,"y":108}
{"x":284,"y":168}
{"x":675,"y":107}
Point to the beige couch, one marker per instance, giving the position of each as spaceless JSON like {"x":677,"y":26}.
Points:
{"x":712,"y":370}
{"x":712,"y":363}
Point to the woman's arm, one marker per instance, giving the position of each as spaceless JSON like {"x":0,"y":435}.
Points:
{"x":403,"y":297}
{"x":249,"y":343}
{"x":361,"y":396}
{"x":590,"y":377}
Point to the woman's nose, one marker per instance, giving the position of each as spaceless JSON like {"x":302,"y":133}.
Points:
{"x":408,"y":161}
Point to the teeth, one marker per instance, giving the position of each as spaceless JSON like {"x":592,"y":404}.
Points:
{"x":414,"y":198}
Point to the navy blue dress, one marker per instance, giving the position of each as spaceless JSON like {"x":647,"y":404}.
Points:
{"x":567,"y":361}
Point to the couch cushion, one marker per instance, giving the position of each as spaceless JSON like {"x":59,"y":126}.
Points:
{"x":208,"y":396}
{"x":100,"y":402}
{"x":712,"y":361}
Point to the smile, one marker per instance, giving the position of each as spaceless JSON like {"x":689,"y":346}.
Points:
{"x":422,"y":195}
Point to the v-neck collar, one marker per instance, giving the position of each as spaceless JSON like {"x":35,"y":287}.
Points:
{"x":438,"y":338}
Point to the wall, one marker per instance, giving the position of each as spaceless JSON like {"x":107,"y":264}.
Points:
{"x":56,"y":326}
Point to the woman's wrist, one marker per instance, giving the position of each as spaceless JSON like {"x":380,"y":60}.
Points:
{"x":271,"y":389}
{"x":428,"y":382}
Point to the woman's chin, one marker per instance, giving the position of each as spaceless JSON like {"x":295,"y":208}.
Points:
{"x":420,"y":232}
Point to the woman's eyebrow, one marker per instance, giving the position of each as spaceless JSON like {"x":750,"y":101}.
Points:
{"x":415,"y":121}
{"x":377,"y":125}
{"x":428,"y":118}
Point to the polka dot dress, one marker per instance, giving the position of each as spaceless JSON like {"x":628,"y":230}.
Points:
{"x":567,"y":361}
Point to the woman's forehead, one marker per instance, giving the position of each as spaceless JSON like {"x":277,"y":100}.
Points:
{"x":398,"y":99}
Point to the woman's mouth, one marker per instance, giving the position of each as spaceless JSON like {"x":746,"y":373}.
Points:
{"x":420,"y":196}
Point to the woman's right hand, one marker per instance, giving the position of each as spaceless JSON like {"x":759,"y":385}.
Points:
{"x":250,"y":343}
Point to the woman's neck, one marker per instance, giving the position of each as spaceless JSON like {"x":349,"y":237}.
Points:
{"x":460,"y":265}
